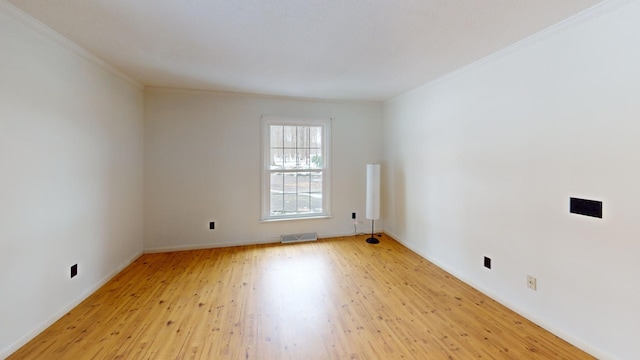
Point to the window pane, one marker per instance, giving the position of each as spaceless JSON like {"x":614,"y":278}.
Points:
{"x":277,"y":159}
{"x":315,"y":137}
{"x":303,"y":147}
{"x":290,"y":156}
{"x":276,"y":136}
{"x":289,"y":135}
{"x":316,"y":203}
{"x":316,"y":159}
{"x":303,"y":158}
{"x":304,"y":203}
{"x":315,"y":192}
{"x":303,"y":137}
{"x":277,"y":204}
{"x":290,"y":185}
{"x":290,"y":203}
{"x":276,"y":185}
{"x":276,"y":196}
{"x":316,"y":183}
{"x":303,"y":182}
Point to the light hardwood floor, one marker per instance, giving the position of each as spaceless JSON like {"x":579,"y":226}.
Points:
{"x":336,"y":298}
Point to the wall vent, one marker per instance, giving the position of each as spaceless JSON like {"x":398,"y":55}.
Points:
{"x":298,"y":237}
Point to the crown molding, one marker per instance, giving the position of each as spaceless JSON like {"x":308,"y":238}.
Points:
{"x":25,"y":19}
{"x":582,"y":17}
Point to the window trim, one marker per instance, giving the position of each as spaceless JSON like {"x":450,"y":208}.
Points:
{"x":325,"y":123}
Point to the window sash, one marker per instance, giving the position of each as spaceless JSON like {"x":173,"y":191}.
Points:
{"x":295,"y":192}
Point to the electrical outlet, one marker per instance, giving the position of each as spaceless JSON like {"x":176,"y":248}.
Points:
{"x":212,"y":225}
{"x":353,"y":215}
{"x":74,"y":270}
{"x":487,"y":262}
{"x":532,"y":282}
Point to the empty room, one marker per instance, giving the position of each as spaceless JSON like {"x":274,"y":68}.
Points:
{"x":315,"y":179}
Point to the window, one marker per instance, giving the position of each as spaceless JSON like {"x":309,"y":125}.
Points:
{"x":296,"y":177}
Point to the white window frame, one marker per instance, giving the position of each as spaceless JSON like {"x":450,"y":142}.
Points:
{"x":268,"y":121}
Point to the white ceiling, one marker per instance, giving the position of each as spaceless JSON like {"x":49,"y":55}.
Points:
{"x":335,"y":49}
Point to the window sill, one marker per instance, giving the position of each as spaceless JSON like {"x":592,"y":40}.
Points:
{"x":311,"y":217}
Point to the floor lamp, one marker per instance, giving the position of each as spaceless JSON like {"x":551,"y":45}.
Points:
{"x":373,"y":197}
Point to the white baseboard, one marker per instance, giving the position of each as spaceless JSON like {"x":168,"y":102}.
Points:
{"x":514,"y":307}
{"x":4,"y":353}
{"x":238,"y":243}
{"x":209,"y":246}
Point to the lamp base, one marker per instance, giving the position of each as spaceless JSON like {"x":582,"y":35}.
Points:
{"x":373,"y":240}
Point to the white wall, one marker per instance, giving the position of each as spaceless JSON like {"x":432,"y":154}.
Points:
{"x":483,"y":164}
{"x":71,"y":152}
{"x":203,"y":163}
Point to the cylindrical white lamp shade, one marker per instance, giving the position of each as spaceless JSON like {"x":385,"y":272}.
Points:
{"x":373,"y":191}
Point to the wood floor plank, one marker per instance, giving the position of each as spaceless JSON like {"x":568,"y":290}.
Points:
{"x":335,"y":298}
